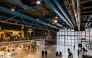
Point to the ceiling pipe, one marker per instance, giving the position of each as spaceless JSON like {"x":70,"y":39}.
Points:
{"x":87,"y":20}
{"x":19,"y":21}
{"x":11,"y":18}
{"x":75,"y":12}
{"x":16,"y":20}
{"x":64,"y":13}
{"x":71,"y":13}
{"x":27,"y":23}
{"x":23,"y":25}
{"x":25,"y":16}
{"x":79,"y":18}
{"x":88,"y":24}
{"x":56,"y":10}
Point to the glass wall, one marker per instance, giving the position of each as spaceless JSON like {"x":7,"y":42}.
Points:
{"x":66,"y":37}
{"x":71,"y":37}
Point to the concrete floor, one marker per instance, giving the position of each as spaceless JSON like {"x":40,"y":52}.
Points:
{"x":51,"y":52}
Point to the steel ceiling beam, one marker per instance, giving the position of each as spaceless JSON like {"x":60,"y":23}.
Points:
{"x":79,"y":14}
{"x":64,"y":13}
{"x":88,"y":24}
{"x":57,"y":11}
{"x":25,"y":16}
{"x":29,"y":24}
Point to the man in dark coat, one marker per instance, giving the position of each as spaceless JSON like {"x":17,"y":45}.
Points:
{"x":42,"y":53}
{"x":46,"y":53}
{"x":78,"y":52}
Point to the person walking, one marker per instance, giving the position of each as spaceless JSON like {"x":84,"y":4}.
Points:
{"x":68,"y":50}
{"x":70,"y":55}
{"x":74,"y":47}
{"x":57,"y":53}
{"x":83,"y":49}
{"x":78,"y":52}
{"x":60,"y":54}
{"x":42,"y":53}
{"x":46,"y":53}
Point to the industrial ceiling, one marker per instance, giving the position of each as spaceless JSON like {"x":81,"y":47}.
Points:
{"x":71,"y":14}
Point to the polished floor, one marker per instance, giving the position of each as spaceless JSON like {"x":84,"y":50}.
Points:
{"x":51,"y":52}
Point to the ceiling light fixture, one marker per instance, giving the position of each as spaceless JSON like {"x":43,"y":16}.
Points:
{"x":54,"y":21}
{"x":38,"y":2}
{"x":37,"y":19}
{"x":12,"y":9}
{"x":56,"y":17}
{"x":43,"y":14}
{"x":16,"y":22}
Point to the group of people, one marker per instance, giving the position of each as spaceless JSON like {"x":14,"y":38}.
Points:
{"x":44,"y":53}
{"x":70,"y":55}
{"x":82,"y":49}
{"x":59,"y":54}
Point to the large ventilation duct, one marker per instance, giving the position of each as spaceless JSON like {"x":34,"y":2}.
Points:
{"x":62,"y":10}
{"x":79,"y":18}
{"x":75,"y":11}
{"x":25,"y":16}
{"x":57,"y":11}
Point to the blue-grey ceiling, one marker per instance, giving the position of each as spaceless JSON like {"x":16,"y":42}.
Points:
{"x":34,"y":15}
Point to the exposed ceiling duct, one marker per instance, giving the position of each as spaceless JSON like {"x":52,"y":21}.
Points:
{"x":25,"y":16}
{"x":31,"y":2}
{"x":57,"y":11}
{"x":71,"y":13}
{"x":64,"y":13}
{"x":75,"y":11}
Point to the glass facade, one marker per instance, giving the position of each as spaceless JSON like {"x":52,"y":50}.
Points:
{"x":71,"y":37}
{"x":66,"y":37}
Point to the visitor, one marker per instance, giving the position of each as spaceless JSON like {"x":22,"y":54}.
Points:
{"x":68,"y":50}
{"x":42,"y":53}
{"x":74,"y":47}
{"x":60,"y":54}
{"x":57,"y":53}
{"x":70,"y":55}
{"x":78,"y":52}
{"x":46,"y":53}
{"x":83,"y":49}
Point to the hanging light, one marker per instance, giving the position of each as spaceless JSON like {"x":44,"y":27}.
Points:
{"x":45,"y":33}
{"x":43,"y":14}
{"x":13,"y":8}
{"x":38,"y":2}
{"x":54,"y":21}
{"x":15,"y":22}
{"x":56,"y":17}
{"x":37,"y":19}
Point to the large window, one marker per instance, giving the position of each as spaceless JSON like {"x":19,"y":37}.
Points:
{"x":70,"y":37}
{"x":66,"y":37}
